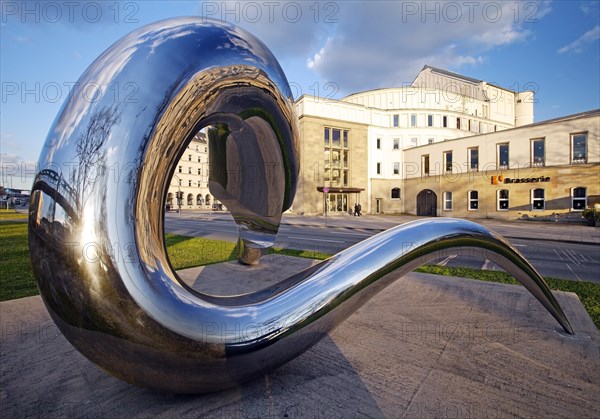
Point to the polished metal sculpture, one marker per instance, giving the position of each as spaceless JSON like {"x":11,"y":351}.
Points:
{"x":96,"y":216}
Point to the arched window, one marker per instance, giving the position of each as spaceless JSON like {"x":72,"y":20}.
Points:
{"x":170,"y":199}
{"x":578,"y":198}
{"x":199,"y":200}
{"x":395,"y":193}
{"x":190,"y":199}
{"x":207,"y":199}
{"x":502,"y":200}
{"x":538,"y":199}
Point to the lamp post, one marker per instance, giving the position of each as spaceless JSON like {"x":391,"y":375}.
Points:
{"x":178,"y":195}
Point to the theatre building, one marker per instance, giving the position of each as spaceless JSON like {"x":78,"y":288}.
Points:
{"x":445,"y":145}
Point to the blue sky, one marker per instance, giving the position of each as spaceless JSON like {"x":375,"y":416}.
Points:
{"x":332,"y":48}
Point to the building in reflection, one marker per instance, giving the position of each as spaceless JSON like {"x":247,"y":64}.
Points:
{"x":443,"y":146}
{"x":188,"y":188}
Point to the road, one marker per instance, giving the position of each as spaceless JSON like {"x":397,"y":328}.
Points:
{"x":574,"y":261}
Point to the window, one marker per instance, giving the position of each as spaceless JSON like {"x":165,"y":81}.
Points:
{"x":538,"y":199}
{"x":413,"y":142}
{"x":578,"y":199}
{"x":430,"y":140}
{"x":335,"y":137}
{"x":190,"y":199}
{"x":179,"y":182}
{"x":180,"y":169}
{"x":469,"y":121}
{"x":189,"y":157}
{"x":445,"y":121}
{"x":413,"y":119}
{"x":457,"y":123}
{"x":326,"y":136}
{"x":537,"y":152}
{"x":378,"y":168}
{"x":425,"y":164}
{"x":447,"y":201}
{"x":473,"y":200}
{"x":503,"y":200}
{"x":396,"y":168}
{"x":396,"y":120}
{"x":448,"y":161}
{"x":199,"y":170}
{"x":345,"y":138}
{"x":396,"y":143}
{"x":579,"y":148}
{"x":503,"y":156}
{"x":190,"y":182}
{"x":199,"y":159}
{"x":395,"y":193}
{"x":189,"y":170}
{"x":429,"y":120}
{"x":378,"y":144}
{"x":473,"y":159}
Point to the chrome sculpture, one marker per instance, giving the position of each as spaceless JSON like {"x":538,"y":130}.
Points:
{"x":96,"y":216}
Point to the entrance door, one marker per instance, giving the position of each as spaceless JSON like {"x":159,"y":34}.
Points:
{"x":377,"y":205}
{"x":427,"y":203}
{"x":337,"y":202}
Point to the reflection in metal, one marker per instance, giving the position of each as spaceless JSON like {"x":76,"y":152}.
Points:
{"x":96,"y":227}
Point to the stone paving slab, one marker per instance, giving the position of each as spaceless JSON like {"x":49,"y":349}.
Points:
{"x":427,"y":346}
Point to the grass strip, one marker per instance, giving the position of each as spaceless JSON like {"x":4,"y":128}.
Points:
{"x":17,"y":281}
{"x":11,"y":214}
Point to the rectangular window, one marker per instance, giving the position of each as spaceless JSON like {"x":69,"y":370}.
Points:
{"x":396,"y":168}
{"x":199,"y":170}
{"x":345,"y":138}
{"x":457,"y":123}
{"x":189,"y":170}
{"x":448,"y":161}
{"x":413,"y":142}
{"x":335,"y":137}
{"x":473,"y":200}
{"x":396,"y":143}
{"x":538,"y":157}
{"x":430,"y":140}
{"x":578,"y":199}
{"x":473,"y":159}
{"x":413,"y":119}
{"x":189,"y":183}
{"x":396,"y":120}
{"x":447,"y":201}
{"x":180,"y":169}
{"x":503,"y":156}
{"x":326,"y":136}
{"x":179,"y":182}
{"x":503,"y":200}
{"x":199,"y":159}
{"x":345,"y":158}
{"x":378,"y":168}
{"x":189,"y":157}
{"x":395,"y":194}
{"x":425,"y":164}
{"x":538,"y":201}
{"x":378,"y":144}
{"x":445,"y":121}
{"x":429,"y":120}
{"x":579,"y":148}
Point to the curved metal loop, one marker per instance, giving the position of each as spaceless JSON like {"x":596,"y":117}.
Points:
{"x":96,"y":226}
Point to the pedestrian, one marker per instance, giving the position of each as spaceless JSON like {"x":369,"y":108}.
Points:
{"x":358,"y":209}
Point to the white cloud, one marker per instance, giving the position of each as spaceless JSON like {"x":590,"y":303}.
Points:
{"x":580,"y":43}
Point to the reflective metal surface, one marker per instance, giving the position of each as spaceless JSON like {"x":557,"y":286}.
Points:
{"x":96,"y":216}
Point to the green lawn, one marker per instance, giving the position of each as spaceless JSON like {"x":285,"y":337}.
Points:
{"x":16,"y":276}
{"x":11,"y":214}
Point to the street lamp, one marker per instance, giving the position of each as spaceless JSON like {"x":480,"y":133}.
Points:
{"x":178,"y":194}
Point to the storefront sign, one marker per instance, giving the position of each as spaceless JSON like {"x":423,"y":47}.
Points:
{"x":501,"y":179}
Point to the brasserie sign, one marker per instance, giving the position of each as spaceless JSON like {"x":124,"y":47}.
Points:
{"x":501,"y":179}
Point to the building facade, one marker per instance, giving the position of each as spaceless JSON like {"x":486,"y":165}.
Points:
{"x":188,"y":188}
{"x":375,"y":148}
